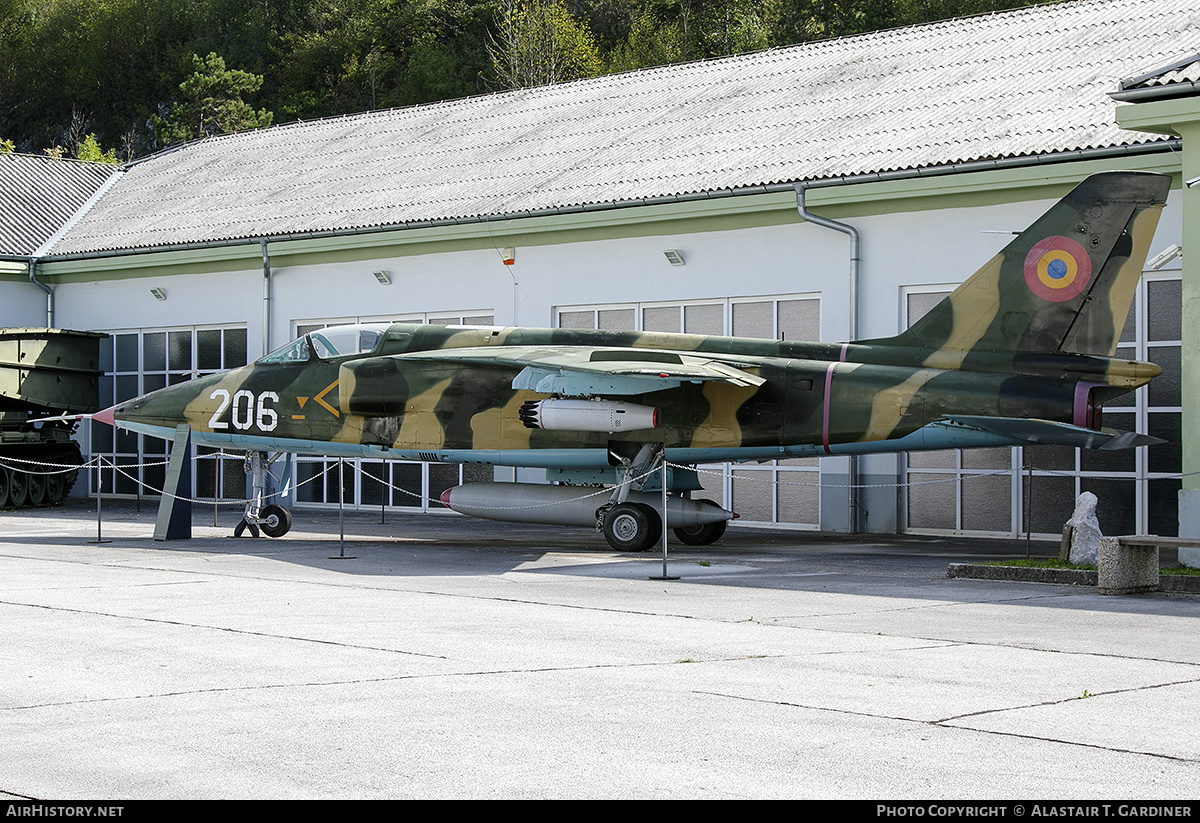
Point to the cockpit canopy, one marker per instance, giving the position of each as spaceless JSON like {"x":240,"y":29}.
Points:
{"x":330,"y":343}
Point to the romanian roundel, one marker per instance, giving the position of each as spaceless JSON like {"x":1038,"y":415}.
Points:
{"x":1057,"y":269}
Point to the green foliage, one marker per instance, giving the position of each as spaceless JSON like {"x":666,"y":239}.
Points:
{"x":90,"y":150}
{"x":211,"y":103}
{"x":736,"y":26}
{"x":1184,"y":571}
{"x":540,"y":42}
{"x":651,"y":42}
{"x":7,"y":147}
{"x":1045,"y":563}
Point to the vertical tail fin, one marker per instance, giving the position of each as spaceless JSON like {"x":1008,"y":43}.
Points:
{"x":1064,"y":284}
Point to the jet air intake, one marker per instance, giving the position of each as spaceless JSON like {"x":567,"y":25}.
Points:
{"x":565,"y":414}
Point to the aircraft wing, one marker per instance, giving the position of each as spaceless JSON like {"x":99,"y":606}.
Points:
{"x":1052,"y":433}
{"x":576,"y":370}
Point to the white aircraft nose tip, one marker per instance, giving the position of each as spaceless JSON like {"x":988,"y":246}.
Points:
{"x":106,"y":416}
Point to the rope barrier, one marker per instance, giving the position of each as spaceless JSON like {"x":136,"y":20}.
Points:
{"x":748,"y":474}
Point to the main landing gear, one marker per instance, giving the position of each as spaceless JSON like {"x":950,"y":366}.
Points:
{"x":635,"y":526}
{"x":274,"y":520}
{"x":631,"y":527}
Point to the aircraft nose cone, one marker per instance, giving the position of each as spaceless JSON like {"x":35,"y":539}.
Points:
{"x":445,"y":498}
{"x":106,"y":416}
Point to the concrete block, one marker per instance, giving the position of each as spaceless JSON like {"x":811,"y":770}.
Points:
{"x":1126,"y":569}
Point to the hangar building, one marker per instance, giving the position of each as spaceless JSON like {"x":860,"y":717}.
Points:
{"x":712,"y":197}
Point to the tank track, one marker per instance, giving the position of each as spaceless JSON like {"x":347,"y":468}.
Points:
{"x":37,"y":483}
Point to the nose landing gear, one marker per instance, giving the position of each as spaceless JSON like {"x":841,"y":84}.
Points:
{"x":274,"y":520}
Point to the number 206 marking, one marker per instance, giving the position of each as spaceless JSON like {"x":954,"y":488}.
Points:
{"x":246,"y":410}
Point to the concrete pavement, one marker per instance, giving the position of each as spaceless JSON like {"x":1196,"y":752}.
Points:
{"x":454,"y":658}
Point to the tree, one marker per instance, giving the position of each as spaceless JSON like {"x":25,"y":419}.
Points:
{"x":89,"y":149}
{"x":650,"y":43}
{"x":539,"y":42}
{"x":212,"y":103}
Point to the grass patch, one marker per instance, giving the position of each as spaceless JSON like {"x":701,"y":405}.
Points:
{"x":1044,"y":563}
{"x":1055,"y":563}
{"x":1183,"y":571}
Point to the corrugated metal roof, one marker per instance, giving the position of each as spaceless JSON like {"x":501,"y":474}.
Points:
{"x":38,"y":195}
{"x":1027,"y":82}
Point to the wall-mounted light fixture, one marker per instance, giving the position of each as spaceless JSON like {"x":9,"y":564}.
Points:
{"x":384,"y":278}
{"x":675,"y":256}
{"x":508,"y":255}
{"x":159,"y":294}
{"x":1191,"y":184}
{"x":1165,"y":256}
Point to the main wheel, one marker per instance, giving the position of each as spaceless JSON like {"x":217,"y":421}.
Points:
{"x":37,"y":489}
{"x":705,"y":534}
{"x":4,"y":484}
{"x":56,"y":489}
{"x":276,"y":521}
{"x":701,"y":535}
{"x":18,"y":489}
{"x":631,"y":527}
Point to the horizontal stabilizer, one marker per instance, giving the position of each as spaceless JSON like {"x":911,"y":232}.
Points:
{"x":1048,"y":432}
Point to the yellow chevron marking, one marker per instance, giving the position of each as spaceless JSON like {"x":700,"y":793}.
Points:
{"x":320,"y":398}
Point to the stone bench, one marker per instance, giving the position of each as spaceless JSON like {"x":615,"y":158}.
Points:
{"x":1129,"y":564}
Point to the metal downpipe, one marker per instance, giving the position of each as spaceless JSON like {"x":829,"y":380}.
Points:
{"x":266,"y":264}
{"x":855,"y":266}
{"x":49,"y":292}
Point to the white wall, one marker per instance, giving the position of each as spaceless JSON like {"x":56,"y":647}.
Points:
{"x":22,"y":305}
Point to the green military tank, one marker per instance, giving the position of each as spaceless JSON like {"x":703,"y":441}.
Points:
{"x":46,"y":377}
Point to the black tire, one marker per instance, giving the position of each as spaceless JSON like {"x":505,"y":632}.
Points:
{"x":4,"y":484}
{"x":701,"y":535}
{"x":276,"y":521}
{"x":631,"y":527}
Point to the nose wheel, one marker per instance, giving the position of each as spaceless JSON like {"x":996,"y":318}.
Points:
{"x":276,"y":521}
{"x":273,"y":520}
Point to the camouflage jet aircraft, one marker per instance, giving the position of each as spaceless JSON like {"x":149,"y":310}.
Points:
{"x":1022,"y":352}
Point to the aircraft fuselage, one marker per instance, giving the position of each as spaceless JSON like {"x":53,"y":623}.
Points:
{"x":813,"y":399}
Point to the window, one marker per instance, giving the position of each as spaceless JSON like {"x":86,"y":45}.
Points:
{"x":141,"y":361}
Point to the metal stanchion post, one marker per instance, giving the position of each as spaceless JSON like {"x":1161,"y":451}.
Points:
{"x":99,"y":500}
{"x":1028,"y":506}
{"x":341,"y":555}
{"x":664,"y":576}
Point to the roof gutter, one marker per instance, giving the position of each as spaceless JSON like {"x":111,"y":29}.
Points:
{"x":1155,"y":147}
{"x":1186,"y":88}
{"x":1127,"y":91}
